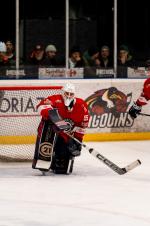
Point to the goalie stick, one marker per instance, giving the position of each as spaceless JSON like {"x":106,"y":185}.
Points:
{"x":143,"y":114}
{"x":55,"y":118}
{"x":106,"y":161}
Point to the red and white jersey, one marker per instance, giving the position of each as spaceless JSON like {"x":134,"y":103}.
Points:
{"x":78,"y":116}
{"x":145,"y":95}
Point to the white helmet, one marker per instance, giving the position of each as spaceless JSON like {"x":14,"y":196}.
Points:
{"x":69,"y":87}
{"x":2,"y":47}
{"x":68,"y":95}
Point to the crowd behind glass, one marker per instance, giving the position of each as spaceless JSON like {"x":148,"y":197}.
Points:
{"x":44,"y":61}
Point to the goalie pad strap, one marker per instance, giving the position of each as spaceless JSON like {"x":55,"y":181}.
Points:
{"x":78,"y":129}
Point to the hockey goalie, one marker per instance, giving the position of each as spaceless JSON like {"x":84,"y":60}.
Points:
{"x":62,"y":114}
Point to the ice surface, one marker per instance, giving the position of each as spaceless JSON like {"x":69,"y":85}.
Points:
{"x":93,"y":195}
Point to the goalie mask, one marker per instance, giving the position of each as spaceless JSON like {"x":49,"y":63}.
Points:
{"x":69,"y":95}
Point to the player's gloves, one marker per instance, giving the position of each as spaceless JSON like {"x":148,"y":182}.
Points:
{"x":74,"y":148}
{"x":134,"y":110}
{"x":59,"y":124}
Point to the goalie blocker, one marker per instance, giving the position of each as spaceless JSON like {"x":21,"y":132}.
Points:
{"x":51,"y":151}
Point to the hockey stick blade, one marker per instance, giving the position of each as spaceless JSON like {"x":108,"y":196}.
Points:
{"x":106,"y":161}
{"x":131,"y":166}
{"x":112,"y":165}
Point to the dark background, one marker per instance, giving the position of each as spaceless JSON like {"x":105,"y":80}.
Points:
{"x":91,"y":22}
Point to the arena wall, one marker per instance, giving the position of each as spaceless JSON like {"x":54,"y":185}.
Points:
{"x":108,"y":101}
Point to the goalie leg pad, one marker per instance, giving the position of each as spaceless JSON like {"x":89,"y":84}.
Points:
{"x":62,"y":162}
{"x":44,"y":147}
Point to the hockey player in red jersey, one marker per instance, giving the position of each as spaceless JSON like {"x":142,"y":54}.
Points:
{"x":142,"y":100}
{"x":74,"y":115}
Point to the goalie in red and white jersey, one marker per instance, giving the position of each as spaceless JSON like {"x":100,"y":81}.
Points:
{"x":142,"y":100}
{"x":72,"y":109}
{"x":73,"y":112}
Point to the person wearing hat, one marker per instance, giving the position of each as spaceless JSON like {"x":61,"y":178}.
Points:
{"x":37,"y":55}
{"x":124,"y":57}
{"x":51,"y":56}
{"x":91,"y":57}
{"x":75,"y":58}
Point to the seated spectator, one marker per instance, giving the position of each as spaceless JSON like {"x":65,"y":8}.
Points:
{"x":37,"y":55}
{"x":3,"y":58}
{"x":105,"y":59}
{"x":147,"y":67}
{"x":51,"y":59}
{"x":147,"y":64}
{"x":124,"y":57}
{"x":10,"y":52}
{"x":125,"y":60}
{"x":91,"y":57}
{"x":75,"y":59}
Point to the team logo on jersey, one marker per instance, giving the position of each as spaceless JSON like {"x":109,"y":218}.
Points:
{"x":46,"y":149}
{"x":108,"y":108}
{"x":70,"y":124}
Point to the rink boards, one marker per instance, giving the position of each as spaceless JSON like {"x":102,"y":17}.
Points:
{"x":108,"y":101}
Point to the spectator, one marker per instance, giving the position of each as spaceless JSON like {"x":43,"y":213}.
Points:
{"x":91,"y":57}
{"x":75,"y":59}
{"x":10,"y":52}
{"x":124,"y":57}
{"x":37,"y":55}
{"x":51,"y":56}
{"x":147,"y":67}
{"x":105,"y":59}
{"x":3,"y":58}
{"x":147,"y":64}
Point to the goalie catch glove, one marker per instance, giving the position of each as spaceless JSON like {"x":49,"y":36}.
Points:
{"x":74,"y":148}
{"x":134,"y":110}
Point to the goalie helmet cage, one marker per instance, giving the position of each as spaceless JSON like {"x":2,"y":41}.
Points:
{"x":19,"y":120}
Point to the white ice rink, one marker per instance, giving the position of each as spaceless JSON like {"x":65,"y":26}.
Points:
{"x":93,"y":195}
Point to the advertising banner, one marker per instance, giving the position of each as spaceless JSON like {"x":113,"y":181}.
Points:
{"x":45,"y":73}
{"x":108,"y":102}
